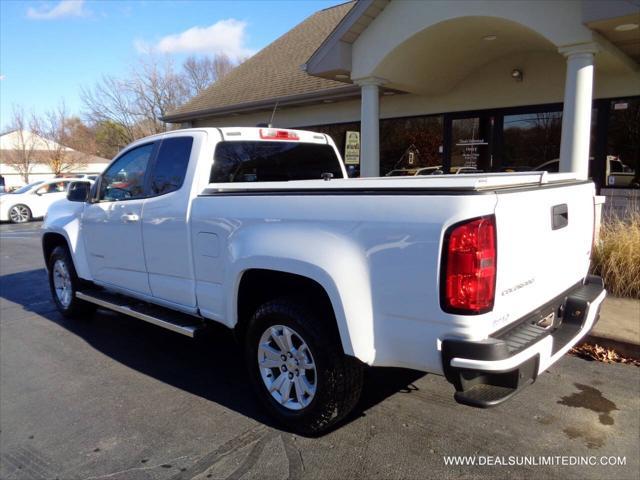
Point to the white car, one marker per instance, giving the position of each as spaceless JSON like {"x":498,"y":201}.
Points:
{"x":33,"y":200}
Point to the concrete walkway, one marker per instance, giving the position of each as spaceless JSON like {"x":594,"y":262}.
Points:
{"x":619,"y":326}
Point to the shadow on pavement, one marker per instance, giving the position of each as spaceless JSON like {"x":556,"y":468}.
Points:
{"x":206,"y":367}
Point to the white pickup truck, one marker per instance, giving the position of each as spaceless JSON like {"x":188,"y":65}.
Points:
{"x":480,"y":278}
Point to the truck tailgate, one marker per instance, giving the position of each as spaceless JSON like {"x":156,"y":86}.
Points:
{"x":544,"y":239}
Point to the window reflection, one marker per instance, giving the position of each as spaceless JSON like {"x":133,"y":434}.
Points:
{"x":532,"y":140}
{"x":623,"y":144}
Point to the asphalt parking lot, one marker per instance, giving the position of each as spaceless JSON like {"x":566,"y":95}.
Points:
{"x":114,"y":398}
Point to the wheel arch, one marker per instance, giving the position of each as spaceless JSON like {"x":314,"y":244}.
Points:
{"x":352,"y":318}
{"x":67,"y":235}
{"x":51,"y":240}
{"x":258,"y":285}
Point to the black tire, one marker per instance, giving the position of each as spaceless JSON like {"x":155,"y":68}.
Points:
{"x":339,"y":377}
{"x":26,"y":216}
{"x":75,"y":308}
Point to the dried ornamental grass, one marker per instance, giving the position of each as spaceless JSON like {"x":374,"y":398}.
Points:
{"x":616,"y":257}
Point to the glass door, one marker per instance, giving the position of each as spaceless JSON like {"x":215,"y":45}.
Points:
{"x":470,"y":144}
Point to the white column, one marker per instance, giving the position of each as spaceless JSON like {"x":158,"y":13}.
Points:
{"x":576,"y":115}
{"x":370,"y":126}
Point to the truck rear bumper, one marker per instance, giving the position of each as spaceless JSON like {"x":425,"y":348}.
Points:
{"x":488,"y":372}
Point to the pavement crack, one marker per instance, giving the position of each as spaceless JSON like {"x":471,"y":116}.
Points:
{"x":133,"y":469}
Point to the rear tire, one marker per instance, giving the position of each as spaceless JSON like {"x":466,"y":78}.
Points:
{"x":20,"y":214}
{"x":332,"y":380}
{"x":64,"y":283}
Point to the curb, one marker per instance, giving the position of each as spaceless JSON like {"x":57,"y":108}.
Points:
{"x":625,"y":348}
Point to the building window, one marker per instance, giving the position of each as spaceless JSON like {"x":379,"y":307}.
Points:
{"x":622,"y":168}
{"x":409,"y":145}
{"x":531,"y":141}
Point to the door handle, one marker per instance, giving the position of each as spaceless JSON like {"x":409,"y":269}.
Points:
{"x":130,"y":217}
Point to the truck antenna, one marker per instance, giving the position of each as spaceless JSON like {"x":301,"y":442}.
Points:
{"x":273,"y":114}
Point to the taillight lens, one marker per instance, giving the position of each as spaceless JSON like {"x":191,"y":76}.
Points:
{"x":469,"y":267}
{"x":274,"y":134}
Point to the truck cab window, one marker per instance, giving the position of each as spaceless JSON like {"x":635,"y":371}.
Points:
{"x":124,"y":180}
{"x":259,"y":161}
{"x":171,"y":165}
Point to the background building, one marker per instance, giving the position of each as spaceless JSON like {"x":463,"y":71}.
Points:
{"x":43,"y":156}
{"x":491,"y":85}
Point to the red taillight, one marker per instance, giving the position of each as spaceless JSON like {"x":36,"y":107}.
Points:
{"x":469,"y":275}
{"x":273,"y":134}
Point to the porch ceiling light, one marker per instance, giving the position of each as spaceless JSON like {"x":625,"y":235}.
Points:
{"x":388,"y":92}
{"x":517,"y":74}
{"x":489,"y":38}
{"x":625,"y":27}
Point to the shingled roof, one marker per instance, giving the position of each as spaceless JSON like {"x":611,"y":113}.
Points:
{"x":272,"y":74}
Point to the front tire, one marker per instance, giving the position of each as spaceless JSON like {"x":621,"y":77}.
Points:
{"x":298,"y":368}
{"x":20,"y":214}
{"x":64,"y":283}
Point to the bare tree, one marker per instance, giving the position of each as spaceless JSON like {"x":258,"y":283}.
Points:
{"x":53,"y":128}
{"x":156,"y":89}
{"x":21,"y":157}
{"x":200,"y":73}
{"x":137,"y":102}
{"x":110,"y":101}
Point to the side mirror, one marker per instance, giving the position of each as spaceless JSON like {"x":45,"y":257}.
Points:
{"x":78,"y":191}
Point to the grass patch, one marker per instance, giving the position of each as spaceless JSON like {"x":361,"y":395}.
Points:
{"x":616,"y":257}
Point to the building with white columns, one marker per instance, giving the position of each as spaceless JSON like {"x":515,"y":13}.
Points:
{"x":452,"y":86}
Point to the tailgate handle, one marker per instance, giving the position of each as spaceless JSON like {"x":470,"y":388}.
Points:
{"x":559,"y":216}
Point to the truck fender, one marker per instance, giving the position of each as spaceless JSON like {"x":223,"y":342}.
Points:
{"x":328,"y":258}
{"x":65,"y":221}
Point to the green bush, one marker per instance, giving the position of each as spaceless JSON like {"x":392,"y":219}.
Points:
{"x":616,"y":257}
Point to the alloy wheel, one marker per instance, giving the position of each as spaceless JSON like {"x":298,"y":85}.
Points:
{"x":19,"y":214}
{"x":62,"y":283}
{"x":287,"y":367}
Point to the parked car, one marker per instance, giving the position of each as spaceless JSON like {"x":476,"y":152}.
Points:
{"x":32,"y":200}
{"x":464,"y":170}
{"x":402,"y":172}
{"x":88,"y":176}
{"x":434,"y":170}
{"x":437,"y":170}
{"x":480,"y":278}
{"x":617,"y":173}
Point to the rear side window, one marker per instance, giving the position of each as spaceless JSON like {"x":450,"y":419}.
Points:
{"x":255,"y":161}
{"x":171,"y":165}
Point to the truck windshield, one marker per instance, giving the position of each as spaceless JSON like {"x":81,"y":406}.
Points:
{"x":259,"y":161}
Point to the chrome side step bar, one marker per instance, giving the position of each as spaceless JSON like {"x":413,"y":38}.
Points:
{"x":162,"y":317}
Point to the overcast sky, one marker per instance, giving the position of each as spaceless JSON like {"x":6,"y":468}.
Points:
{"x":49,"y":49}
